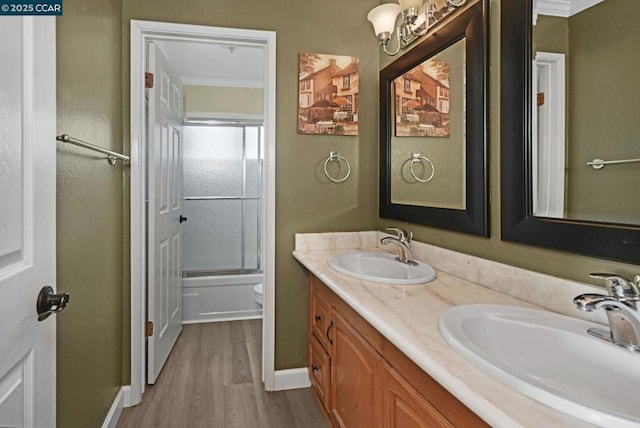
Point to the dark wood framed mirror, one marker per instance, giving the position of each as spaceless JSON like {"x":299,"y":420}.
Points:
{"x":433,"y":127}
{"x":605,"y":238}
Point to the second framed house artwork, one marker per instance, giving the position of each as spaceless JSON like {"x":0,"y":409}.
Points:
{"x":328,"y":87}
{"x":422,"y":101}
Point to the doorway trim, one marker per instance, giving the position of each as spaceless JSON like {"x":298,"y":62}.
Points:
{"x":141,"y":33}
{"x":548,"y":138}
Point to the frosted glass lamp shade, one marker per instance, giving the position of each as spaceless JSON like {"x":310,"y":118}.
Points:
{"x":406,"y":4}
{"x":383,"y":18}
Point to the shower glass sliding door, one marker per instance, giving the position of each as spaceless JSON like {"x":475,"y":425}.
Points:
{"x":223,"y":198}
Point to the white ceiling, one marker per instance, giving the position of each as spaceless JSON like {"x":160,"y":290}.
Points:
{"x":216,"y":64}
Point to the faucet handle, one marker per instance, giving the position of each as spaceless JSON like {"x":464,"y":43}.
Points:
{"x":619,"y":287}
{"x":401,"y":234}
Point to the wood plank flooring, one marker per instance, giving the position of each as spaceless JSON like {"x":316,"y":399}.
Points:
{"x":212,"y":379}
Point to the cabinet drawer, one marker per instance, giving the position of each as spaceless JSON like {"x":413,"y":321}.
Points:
{"x":319,"y":315}
{"x":319,"y":371}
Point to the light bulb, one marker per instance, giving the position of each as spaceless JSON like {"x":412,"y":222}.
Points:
{"x":383,"y":18}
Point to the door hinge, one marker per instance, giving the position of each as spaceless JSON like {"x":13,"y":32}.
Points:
{"x":148,"y":80}
{"x":540,"y":98}
{"x":148,"y":329}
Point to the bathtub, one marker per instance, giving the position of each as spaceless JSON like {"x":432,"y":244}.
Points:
{"x":215,"y":296}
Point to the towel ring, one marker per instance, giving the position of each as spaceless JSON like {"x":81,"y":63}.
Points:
{"x":418,"y":158}
{"x":335,"y":157}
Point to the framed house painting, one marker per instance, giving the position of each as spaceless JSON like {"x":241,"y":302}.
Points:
{"x":328,"y":87}
{"x":422,"y":100}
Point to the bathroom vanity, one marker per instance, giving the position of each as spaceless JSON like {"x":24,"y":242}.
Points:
{"x":376,"y":357}
{"x":362,"y":379}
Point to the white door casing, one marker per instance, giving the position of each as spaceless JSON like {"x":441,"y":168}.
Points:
{"x":141,"y":33}
{"x":549,"y":135}
{"x":27,"y":219}
{"x":165,"y":211}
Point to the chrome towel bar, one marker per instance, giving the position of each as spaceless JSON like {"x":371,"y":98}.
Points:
{"x":112,"y":157}
{"x":600,"y":163}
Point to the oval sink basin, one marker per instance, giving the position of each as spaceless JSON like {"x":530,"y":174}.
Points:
{"x":550,"y":358}
{"x":381,"y":267}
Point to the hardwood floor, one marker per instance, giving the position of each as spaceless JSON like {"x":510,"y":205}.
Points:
{"x":212,"y":379}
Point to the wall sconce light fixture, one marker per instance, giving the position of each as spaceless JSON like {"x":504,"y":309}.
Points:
{"x":418,"y":16}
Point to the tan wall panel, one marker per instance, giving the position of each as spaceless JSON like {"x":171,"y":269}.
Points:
{"x":218,"y":99}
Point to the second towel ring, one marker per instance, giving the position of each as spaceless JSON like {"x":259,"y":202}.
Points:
{"x":335,"y":157}
{"x":417,"y":158}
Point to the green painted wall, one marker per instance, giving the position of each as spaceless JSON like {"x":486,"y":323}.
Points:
{"x":306,"y":201}
{"x":89,"y":212}
{"x":218,"y":99}
{"x":601,"y":104}
{"x":551,"y":34}
{"x":551,"y":262}
{"x":603,"y":111}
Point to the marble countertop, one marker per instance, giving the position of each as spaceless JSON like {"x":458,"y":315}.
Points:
{"x":407,"y":315}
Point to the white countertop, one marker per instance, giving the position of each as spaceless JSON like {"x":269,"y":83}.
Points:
{"x":407,"y":315}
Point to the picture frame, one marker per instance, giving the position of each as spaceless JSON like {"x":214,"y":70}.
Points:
{"x":328,"y":91}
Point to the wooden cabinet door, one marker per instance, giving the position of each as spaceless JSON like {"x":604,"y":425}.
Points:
{"x":355,"y":378}
{"x":404,"y":407}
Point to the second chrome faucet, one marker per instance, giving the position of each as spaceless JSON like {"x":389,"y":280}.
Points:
{"x":621,"y":306}
{"x":402,"y":242}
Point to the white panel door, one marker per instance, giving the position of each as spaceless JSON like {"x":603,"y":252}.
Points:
{"x":27,"y":219}
{"x":165,"y":211}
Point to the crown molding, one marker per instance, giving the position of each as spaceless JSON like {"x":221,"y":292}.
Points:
{"x":562,"y":8}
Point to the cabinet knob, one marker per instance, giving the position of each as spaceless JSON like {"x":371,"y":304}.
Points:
{"x":317,"y":317}
{"x":314,"y":368}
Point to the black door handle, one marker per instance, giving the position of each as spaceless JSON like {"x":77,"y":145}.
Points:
{"x":48,"y":302}
{"x":183,"y":218}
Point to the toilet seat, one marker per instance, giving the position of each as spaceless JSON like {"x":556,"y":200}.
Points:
{"x":258,"y":294}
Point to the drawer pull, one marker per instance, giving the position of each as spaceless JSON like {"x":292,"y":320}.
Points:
{"x":314,"y":368}
{"x":328,"y":333}
{"x":317,"y":317}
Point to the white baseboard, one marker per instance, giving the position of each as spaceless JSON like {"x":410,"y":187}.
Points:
{"x":230,"y":316}
{"x":126,"y":396}
{"x":116,"y":408}
{"x":291,"y":379}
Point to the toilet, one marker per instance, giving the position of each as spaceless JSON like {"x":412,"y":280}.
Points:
{"x":257,"y":294}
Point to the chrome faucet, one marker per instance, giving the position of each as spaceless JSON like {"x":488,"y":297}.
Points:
{"x":621,"y":306}
{"x":401,"y":241}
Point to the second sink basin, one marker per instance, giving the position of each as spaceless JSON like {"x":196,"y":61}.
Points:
{"x":550,"y":358}
{"x":381,"y":267}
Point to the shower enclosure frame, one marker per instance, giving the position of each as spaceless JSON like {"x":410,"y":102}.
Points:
{"x":222,"y":292}
{"x":141,"y":33}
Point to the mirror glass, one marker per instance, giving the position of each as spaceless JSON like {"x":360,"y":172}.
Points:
{"x":428,"y":141}
{"x":586,"y":109}
{"x":433,"y":127}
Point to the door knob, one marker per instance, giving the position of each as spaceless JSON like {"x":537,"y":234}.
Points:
{"x":48,"y":302}
{"x":182,"y":218}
